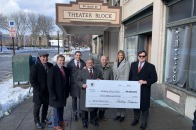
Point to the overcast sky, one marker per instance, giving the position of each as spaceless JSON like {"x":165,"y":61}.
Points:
{"x":46,"y":7}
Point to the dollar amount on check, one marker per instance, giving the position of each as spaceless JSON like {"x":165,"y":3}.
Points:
{"x":112,"y":94}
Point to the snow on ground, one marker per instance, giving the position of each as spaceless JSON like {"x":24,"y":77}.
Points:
{"x":11,"y":96}
{"x":66,"y":55}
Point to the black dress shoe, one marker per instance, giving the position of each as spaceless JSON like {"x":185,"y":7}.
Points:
{"x":117,"y":118}
{"x":121,"y":119}
{"x":135,"y":122}
{"x":85,"y":125}
{"x":94,"y":123}
{"x":75,"y":118}
{"x":80,"y":115}
{"x":143,"y":126}
{"x":39,"y":125}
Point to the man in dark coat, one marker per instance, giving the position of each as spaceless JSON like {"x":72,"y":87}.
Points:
{"x":74,"y":66}
{"x":58,"y":86}
{"x":194,"y":121}
{"x":89,"y":73}
{"x":145,"y":73}
{"x":107,"y":73}
{"x":38,"y":80}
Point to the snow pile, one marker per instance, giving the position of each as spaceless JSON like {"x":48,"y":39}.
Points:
{"x":5,"y":50}
{"x":11,"y":97}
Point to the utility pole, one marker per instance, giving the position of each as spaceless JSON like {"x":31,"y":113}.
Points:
{"x":13,"y":45}
{"x":58,"y":39}
{"x":1,"y":37}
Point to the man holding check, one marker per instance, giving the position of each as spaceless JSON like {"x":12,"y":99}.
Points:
{"x":145,"y":73}
{"x":89,"y":73}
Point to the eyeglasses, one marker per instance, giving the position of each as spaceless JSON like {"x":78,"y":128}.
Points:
{"x":141,"y":56}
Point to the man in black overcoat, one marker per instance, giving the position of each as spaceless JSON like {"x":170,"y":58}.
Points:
{"x":74,"y":67}
{"x":38,"y":80}
{"x":145,"y":74}
{"x":58,"y":85}
{"x":88,"y":73}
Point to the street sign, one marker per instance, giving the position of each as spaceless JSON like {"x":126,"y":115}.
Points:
{"x":12,"y":31}
{"x":12,"y":34}
{"x":11,"y":23}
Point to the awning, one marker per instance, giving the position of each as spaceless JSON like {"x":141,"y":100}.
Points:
{"x":87,"y":17}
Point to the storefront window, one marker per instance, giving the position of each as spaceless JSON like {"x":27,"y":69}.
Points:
{"x":192,"y":67}
{"x":194,"y":12}
{"x":131,"y":43}
{"x":131,"y":28}
{"x":180,"y":10}
{"x":177,"y":55}
{"x":145,"y":23}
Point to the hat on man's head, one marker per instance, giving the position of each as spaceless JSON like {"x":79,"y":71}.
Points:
{"x":43,"y":54}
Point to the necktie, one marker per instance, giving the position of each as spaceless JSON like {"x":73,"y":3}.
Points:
{"x":140,"y":67}
{"x":62,"y":71}
{"x":78,"y":64}
{"x":91,"y":73}
{"x":46,"y":67}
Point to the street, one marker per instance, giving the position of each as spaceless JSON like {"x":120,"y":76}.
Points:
{"x":6,"y":60}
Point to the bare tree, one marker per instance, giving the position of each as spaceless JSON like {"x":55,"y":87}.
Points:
{"x":46,"y":25}
{"x":20,"y":19}
{"x":33,"y":26}
{"x":3,"y":22}
{"x":76,"y":39}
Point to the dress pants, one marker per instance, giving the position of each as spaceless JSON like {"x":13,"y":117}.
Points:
{"x":121,"y":112}
{"x":145,"y":114}
{"x":194,"y":121}
{"x":58,"y":115}
{"x":93,"y":116}
{"x":75,"y":105}
{"x":36,"y":112}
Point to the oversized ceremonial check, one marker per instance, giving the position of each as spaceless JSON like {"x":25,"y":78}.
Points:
{"x":112,"y":94}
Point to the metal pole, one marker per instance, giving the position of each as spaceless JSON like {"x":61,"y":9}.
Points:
{"x":1,"y":37}
{"x":58,"y":43}
{"x":13,"y":46}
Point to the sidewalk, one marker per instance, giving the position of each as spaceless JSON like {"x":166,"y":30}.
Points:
{"x":161,"y":118}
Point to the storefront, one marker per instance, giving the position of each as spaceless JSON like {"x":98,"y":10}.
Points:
{"x":91,"y":17}
{"x":138,"y":33}
{"x":166,"y":29}
{"x":180,"y":54}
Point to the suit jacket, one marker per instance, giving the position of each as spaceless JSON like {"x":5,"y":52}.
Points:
{"x":147,"y":73}
{"x":38,"y":80}
{"x":121,"y":72}
{"x":74,"y":89}
{"x":58,"y":86}
{"x":82,"y":77}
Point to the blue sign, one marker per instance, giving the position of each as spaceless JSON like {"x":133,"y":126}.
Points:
{"x":11,"y":23}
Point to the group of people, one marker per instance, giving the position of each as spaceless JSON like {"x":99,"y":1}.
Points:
{"x":50,"y":87}
{"x":53,"y":84}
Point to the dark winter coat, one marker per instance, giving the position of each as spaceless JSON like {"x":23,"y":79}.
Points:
{"x":147,"y":73}
{"x":58,"y":86}
{"x":38,"y":80}
{"x":74,"y":89}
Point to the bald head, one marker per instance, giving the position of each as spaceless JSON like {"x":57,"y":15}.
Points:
{"x":104,"y":60}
